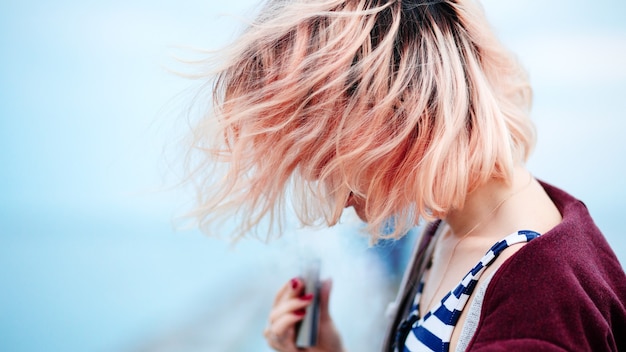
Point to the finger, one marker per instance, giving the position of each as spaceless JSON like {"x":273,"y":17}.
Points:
{"x":284,"y":325}
{"x":281,"y":334}
{"x":292,"y":288}
{"x":283,"y":290}
{"x":279,"y":342}
{"x":290,"y":306}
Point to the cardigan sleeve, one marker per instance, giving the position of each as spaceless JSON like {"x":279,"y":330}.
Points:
{"x":523,"y":344}
{"x":559,"y":292}
{"x":564,"y":291}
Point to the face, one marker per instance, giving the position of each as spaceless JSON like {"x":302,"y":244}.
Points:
{"x":358,"y":203}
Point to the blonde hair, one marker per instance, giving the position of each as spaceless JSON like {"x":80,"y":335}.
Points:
{"x":409,"y":105}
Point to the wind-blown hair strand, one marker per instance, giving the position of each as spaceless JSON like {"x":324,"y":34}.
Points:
{"x":408,"y":105}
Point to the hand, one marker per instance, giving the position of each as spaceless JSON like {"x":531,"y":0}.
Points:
{"x":288,"y":310}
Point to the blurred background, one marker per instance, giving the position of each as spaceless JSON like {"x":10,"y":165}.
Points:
{"x":89,"y":114}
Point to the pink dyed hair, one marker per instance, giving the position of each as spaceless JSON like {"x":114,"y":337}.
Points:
{"x":409,"y":105}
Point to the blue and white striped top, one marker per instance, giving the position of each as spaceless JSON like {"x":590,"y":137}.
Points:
{"x":433,"y":331}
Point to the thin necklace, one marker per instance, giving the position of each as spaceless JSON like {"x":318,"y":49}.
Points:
{"x":468,"y":233}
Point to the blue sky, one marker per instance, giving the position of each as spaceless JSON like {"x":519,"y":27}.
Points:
{"x":88,"y":256}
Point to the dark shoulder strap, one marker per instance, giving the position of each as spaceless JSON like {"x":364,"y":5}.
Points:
{"x":422,"y":251}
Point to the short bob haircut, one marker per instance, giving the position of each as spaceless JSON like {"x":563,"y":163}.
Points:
{"x":407,"y":104}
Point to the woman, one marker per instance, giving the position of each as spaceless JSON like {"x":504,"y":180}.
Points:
{"x":404,"y":110}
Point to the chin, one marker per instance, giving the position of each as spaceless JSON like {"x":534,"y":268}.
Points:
{"x":361,"y":214}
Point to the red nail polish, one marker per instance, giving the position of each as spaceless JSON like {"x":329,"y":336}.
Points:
{"x":294,"y":283}
{"x":300,"y":312}
{"x":307,"y":297}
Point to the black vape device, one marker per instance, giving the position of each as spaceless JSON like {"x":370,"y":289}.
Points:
{"x":307,"y":328}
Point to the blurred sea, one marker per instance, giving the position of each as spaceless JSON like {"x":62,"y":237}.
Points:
{"x":89,"y":258}
{"x":111,"y":283}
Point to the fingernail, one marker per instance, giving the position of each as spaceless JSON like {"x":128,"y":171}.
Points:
{"x":307,"y":297}
{"x":300,"y":312}
{"x":294,"y":283}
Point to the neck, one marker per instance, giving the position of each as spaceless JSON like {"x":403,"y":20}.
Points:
{"x":483,"y":210}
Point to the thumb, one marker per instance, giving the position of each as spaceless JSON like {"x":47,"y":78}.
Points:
{"x":325,"y":298}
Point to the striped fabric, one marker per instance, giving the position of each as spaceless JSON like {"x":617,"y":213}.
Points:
{"x":433,"y":331}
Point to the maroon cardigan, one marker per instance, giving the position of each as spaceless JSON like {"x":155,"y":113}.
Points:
{"x":564,"y":291}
